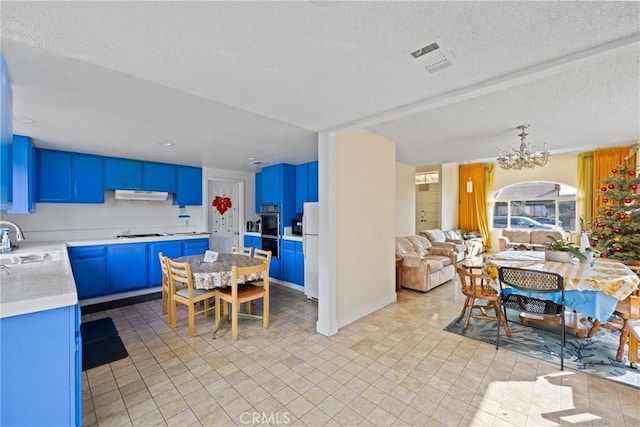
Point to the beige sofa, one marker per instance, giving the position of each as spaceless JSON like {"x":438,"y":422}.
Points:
{"x":424,"y":266}
{"x":439,"y":239}
{"x":527,"y":239}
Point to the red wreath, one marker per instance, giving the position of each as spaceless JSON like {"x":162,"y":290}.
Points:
{"x":222,"y":204}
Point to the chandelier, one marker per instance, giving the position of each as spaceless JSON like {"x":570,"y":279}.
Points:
{"x":525,"y":157}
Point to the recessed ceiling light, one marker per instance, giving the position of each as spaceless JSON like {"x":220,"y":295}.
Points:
{"x":252,"y":158}
{"x":256,"y":162}
{"x":167,"y":144}
{"x":23,"y":119}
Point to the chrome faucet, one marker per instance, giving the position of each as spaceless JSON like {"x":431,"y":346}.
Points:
{"x":19,"y":233}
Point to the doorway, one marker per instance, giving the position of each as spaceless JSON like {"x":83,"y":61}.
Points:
{"x":223,"y":214}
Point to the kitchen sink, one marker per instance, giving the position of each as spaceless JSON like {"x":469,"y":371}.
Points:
{"x":29,"y":258}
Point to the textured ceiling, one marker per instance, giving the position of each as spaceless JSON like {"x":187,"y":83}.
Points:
{"x":226,"y":81}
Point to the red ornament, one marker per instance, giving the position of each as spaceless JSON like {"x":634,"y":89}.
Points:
{"x":600,"y":236}
{"x":617,"y":249}
{"x":627,"y":199}
{"x":598,"y":225}
{"x":222,"y":204}
{"x":611,"y":186}
{"x":609,"y":213}
{"x":634,"y":186}
{"x":614,"y":170}
{"x":593,"y":244}
{"x":622,"y":216}
{"x":632,"y":172}
{"x":605,"y":200}
{"x":616,"y":230}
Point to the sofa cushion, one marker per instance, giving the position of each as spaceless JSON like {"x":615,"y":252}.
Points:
{"x":421,"y":244}
{"x":540,"y":237}
{"x":435,"y":235}
{"x":434,"y":264}
{"x":453,"y":235}
{"x":518,"y":236}
{"x":404,"y":247}
{"x":445,"y":260}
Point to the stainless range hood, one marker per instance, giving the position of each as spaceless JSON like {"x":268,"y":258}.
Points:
{"x":154,"y":196}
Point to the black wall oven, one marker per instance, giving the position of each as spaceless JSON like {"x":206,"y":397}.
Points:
{"x":270,"y":244}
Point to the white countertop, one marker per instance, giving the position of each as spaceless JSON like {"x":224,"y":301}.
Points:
{"x":48,"y":284}
{"x":292,"y":237}
{"x":37,"y":286}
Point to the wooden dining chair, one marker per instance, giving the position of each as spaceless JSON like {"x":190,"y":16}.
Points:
{"x":183,"y":291}
{"x":242,"y":250}
{"x":545,"y":309}
{"x":634,"y":330}
{"x":238,"y":293}
{"x":166,"y":291}
{"x":476,"y":286}
{"x":265,"y":256}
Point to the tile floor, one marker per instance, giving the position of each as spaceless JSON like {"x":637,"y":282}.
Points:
{"x":396,"y":367}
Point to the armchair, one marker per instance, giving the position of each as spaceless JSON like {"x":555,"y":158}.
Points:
{"x":424,"y":266}
{"x":439,"y":239}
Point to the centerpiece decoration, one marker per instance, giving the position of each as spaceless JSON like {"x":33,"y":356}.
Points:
{"x":559,"y":250}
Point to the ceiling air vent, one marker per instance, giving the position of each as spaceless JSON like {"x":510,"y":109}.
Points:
{"x":433,"y":57}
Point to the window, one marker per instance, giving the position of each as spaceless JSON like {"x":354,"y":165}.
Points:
{"x":427,"y":177}
{"x":535,"y":205}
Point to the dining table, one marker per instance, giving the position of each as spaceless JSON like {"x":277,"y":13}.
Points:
{"x":591,"y":289}
{"x":217,"y":274}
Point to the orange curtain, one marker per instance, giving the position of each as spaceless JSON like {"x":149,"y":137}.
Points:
{"x":603,"y":162}
{"x":472,"y":206}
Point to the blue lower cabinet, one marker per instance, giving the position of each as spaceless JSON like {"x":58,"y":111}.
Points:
{"x":252,"y":242}
{"x":292,"y":262}
{"x":172,"y":249}
{"x":275,"y":268}
{"x":89,"y":266}
{"x":127,"y":267}
{"x":40,"y":361}
{"x":195,"y":246}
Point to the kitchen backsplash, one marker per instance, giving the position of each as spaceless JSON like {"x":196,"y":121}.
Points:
{"x":67,"y":222}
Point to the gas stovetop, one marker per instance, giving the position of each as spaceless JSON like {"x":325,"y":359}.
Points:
{"x":133,"y":236}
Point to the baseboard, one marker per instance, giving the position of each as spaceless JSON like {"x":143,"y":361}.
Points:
{"x":366,"y":310}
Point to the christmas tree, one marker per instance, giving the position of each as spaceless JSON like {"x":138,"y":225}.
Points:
{"x":616,"y":230}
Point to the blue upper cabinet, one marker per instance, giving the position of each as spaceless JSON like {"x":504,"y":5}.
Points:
{"x":24,"y":175}
{"x":65,"y":177}
{"x":272,"y":184}
{"x":159,"y":177}
{"x":6,"y":137}
{"x":306,"y":184}
{"x":189,"y":191}
{"x":122,"y":174}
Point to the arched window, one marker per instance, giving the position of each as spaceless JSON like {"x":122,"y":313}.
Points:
{"x":535,"y":205}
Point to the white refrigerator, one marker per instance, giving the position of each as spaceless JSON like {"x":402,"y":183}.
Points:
{"x":310,"y":228}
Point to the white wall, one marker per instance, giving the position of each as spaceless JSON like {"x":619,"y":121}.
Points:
{"x":449,"y":196}
{"x":365,"y":224}
{"x":405,"y":199}
{"x":66,"y":222}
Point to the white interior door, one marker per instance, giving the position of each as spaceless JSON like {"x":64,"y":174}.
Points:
{"x":223,"y":215}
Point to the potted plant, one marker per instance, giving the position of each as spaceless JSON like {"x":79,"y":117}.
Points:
{"x":559,"y":250}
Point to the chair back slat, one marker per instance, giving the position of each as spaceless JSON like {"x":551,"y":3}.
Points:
{"x":180,"y":276}
{"x":242,"y":250}
{"x":262,"y":254}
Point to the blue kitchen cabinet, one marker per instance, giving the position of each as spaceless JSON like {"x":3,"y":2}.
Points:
{"x":6,"y":137}
{"x":89,"y":266}
{"x":275,"y":268}
{"x":40,"y":361}
{"x":252,"y":241}
{"x":189,"y":186}
{"x":272,"y":184}
{"x":127,"y":267}
{"x":195,"y":246}
{"x":24,"y":175}
{"x":171,"y":249}
{"x":292,"y":262}
{"x":65,"y":177}
{"x":159,"y":177}
{"x":122,"y":174}
{"x":306,"y":184}
{"x":258,"y":191}
{"x":278,"y":187}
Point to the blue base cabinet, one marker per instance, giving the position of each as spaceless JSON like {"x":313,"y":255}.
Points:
{"x":252,"y":242}
{"x":127,"y":267}
{"x":195,"y":246}
{"x":89,"y":266}
{"x":41,"y":368}
{"x":292,"y":262}
{"x":171,"y":249}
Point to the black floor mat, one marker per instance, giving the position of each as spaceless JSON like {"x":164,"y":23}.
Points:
{"x":100,"y":343}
